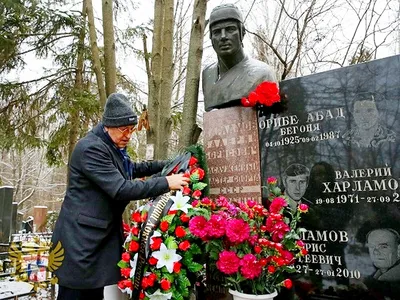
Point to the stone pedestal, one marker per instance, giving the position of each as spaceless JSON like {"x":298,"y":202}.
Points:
{"x":232,"y":149}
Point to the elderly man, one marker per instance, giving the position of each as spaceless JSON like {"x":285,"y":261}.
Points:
{"x":235,"y":74}
{"x":87,"y":240}
{"x":384,"y":250}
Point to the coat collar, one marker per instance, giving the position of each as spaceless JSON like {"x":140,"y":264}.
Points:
{"x":99,"y":131}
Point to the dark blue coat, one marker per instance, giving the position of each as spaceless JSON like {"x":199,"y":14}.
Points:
{"x":89,"y":226}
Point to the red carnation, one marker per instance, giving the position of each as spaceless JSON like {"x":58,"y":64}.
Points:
{"x":164,"y":226}
{"x":287,"y":283}
{"x":271,"y":269}
{"x":180,"y":232}
{"x":121,"y":284}
{"x":193,"y":160}
{"x":136,"y":217}
{"x":268,"y":92}
{"x":153,"y":277}
{"x":153,"y":261}
{"x":126,"y":257}
{"x":184,"y":218}
{"x":253,"y":98}
{"x":165,"y":284}
{"x":126,"y":272}
{"x":135,"y":231}
{"x":200,"y":172}
{"x":257,"y":249}
{"x":185,"y":245}
{"x":245,"y":102}
{"x":145,"y":283}
{"x":177,"y":267}
{"x":156,"y":243}
{"x":134,"y":246}
{"x":263,"y":262}
{"x":186,"y":191}
{"x":128,"y":283}
{"x":126,"y":227}
{"x":196,"y":194}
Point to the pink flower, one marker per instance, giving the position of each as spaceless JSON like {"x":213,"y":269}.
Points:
{"x":277,"y":204}
{"x":288,"y":256}
{"x":250,"y":268}
{"x":228,"y":262}
{"x":197,"y":226}
{"x":237,"y":230}
{"x":215,"y":227}
{"x":300,"y":244}
{"x":251,"y":203}
{"x":279,"y":230}
{"x":222,"y":201}
{"x":272,"y":180}
{"x":303,"y":208}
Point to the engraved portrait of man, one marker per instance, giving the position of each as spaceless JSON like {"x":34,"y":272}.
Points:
{"x":367,"y":130}
{"x":384,"y":250}
{"x":295,"y":180}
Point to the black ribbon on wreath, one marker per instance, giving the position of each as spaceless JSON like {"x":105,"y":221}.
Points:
{"x":159,"y":206}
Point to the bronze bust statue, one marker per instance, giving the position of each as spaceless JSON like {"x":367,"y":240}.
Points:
{"x":235,"y":74}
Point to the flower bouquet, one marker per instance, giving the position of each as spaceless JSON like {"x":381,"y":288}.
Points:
{"x":250,"y":246}
{"x":161,"y":259}
{"x":266,"y":94}
{"x":267,"y":98}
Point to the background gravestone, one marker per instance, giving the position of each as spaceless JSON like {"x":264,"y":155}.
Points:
{"x":341,"y":129}
{"x":6,"y":213}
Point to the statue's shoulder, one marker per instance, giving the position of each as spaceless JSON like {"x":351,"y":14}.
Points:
{"x":260,"y":67}
{"x":211,"y":68}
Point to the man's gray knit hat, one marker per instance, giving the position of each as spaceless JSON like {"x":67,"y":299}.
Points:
{"x":118,"y":112}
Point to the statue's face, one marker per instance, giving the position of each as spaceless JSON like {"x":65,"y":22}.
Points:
{"x":225,"y":38}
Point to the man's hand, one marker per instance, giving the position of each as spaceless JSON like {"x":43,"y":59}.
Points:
{"x":177,"y":181}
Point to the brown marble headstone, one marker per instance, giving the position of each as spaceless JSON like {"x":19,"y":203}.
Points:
{"x":232,"y":149}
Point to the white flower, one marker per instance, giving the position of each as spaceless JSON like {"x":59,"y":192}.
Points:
{"x":166,"y":257}
{"x":133,"y":266}
{"x":180,"y":202}
{"x":157,"y":295}
{"x":127,"y":291}
{"x":128,"y":238}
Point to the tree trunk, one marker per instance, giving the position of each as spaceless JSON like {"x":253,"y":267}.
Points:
{"x":155,"y":76}
{"x":95,"y":54}
{"x":78,"y":86}
{"x":109,"y":47}
{"x":189,"y":129}
{"x":167,"y":75}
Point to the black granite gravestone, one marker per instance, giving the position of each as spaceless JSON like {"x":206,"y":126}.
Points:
{"x":6,"y":208}
{"x":337,"y":148}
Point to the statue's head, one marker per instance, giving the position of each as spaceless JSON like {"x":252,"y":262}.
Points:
{"x":226,"y":24}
